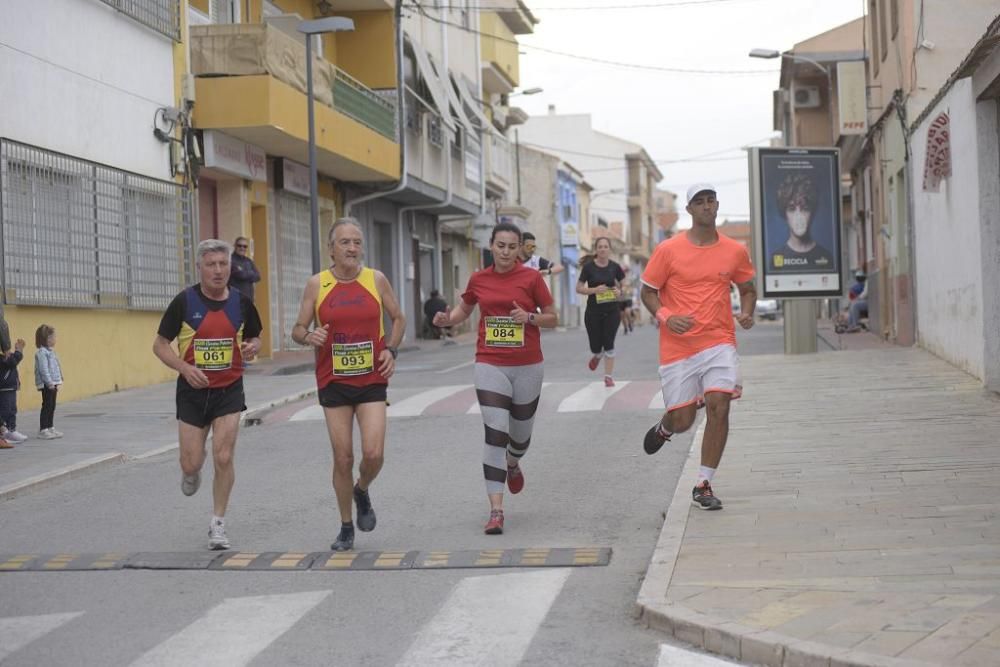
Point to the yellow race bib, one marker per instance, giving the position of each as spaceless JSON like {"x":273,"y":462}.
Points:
{"x":353,"y":358}
{"x":503,"y":332}
{"x":606,"y":296}
{"x":213,"y":354}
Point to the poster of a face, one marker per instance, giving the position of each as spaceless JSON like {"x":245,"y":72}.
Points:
{"x":799,"y":205}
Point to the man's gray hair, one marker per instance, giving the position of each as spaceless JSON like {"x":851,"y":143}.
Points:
{"x":340,"y":223}
{"x":213,"y":245}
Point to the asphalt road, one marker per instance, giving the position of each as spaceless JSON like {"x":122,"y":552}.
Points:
{"x":588,"y":485}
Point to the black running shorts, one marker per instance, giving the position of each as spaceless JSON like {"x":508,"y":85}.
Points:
{"x":337,"y":394}
{"x":200,"y":407}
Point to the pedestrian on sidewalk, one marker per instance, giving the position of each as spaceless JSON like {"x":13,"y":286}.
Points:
{"x":509,"y":366}
{"x":48,"y":379}
{"x":354,"y":361}
{"x":217,"y":330}
{"x":10,"y":384}
{"x":601,"y":280}
{"x":243,"y":273}
{"x":686,"y":286}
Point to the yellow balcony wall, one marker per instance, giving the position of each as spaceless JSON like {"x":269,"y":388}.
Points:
{"x":499,"y":54}
{"x":271,"y":114}
{"x":369,"y":52}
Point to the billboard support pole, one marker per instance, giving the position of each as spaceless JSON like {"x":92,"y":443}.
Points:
{"x":799,"y":317}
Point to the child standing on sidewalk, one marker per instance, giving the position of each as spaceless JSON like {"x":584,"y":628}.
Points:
{"x":48,"y":377}
{"x":10,"y":383}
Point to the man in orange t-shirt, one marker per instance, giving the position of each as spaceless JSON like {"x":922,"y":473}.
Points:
{"x":686,"y":287}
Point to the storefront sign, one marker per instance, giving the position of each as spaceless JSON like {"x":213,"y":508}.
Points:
{"x":851,"y":105}
{"x":235,"y":157}
{"x":292,"y":177}
{"x":937,"y":163}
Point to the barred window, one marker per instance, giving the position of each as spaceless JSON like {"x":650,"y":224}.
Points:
{"x":80,"y":234}
{"x":163,"y":16}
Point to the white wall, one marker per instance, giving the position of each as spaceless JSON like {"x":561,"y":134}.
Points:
{"x":80,"y":78}
{"x":947,"y":240}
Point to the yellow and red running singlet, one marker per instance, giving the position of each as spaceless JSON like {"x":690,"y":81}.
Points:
{"x":210,"y":339}
{"x":356,"y":336}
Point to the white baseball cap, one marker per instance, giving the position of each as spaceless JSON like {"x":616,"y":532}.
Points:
{"x":697,"y":188}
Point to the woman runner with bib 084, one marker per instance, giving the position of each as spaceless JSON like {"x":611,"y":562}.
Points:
{"x":354,"y":361}
{"x":509,"y":368}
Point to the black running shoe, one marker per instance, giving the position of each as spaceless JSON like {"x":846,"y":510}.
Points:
{"x":703,"y":497}
{"x":654,"y":439}
{"x":366,"y":515}
{"x":345,"y":540}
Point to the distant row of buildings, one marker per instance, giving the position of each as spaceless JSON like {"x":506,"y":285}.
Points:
{"x":909,"y":93}
{"x":132,"y":130}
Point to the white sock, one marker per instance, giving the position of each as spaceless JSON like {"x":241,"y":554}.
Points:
{"x":218,"y":519}
{"x":705,"y":474}
{"x":599,"y":355}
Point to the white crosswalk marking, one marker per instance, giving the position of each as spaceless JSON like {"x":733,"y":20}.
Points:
{"x":656,"y":403}
{"x":233,"y":632}
{"x":674,"y":656}
{"x":591,"y":397}
{"x":474,"y":408}
{"x":414,"y":405}
{"x":487,"y":620}
{"x":19,"y":631}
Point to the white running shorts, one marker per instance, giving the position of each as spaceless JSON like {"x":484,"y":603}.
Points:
{"x":687,"y":381}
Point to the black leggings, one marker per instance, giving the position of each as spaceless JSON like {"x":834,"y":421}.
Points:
{"x":602,"y":327}
{"x":48,"y":413}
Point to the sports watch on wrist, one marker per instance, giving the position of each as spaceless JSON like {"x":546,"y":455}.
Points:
{"x":393,"y":351}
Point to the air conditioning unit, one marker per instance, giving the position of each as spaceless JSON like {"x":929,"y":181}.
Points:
{"x":807,"y":97}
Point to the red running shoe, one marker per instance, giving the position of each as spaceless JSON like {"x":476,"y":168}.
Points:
{"x":592,"y":364}
{"x":495,"y":525}
{"x":515,"y":479}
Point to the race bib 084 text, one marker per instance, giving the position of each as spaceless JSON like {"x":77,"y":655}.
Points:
{"x":503,"y":332}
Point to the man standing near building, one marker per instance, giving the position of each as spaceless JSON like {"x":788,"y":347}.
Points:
{"x":526,"y":255}
{"x":244,"y":272}
{"x":217,"y":331}
{"x":686,"y":287}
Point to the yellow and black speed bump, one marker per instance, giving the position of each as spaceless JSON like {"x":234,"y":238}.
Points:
{"x":268,"y":560}
{"x":284,"y":561}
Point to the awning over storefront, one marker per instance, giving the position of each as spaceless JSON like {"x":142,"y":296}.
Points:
{"x":473,"y":106}
{"x":434,"y":84}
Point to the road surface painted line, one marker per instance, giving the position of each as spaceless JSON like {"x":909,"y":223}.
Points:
{"x":491,"y":619}
{"x":17,"y":632}
{"x":234,"y":632}
{"x":415,"y":405}
{"x":311,"y":413}
{"x":474,"y":408}
{"x":456,"y":367}
{"x":656,"y":403}
{"x":591,"y":397}
{"x":674,"y":656}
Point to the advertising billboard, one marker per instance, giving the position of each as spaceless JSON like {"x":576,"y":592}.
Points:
{"x":795,"y":204}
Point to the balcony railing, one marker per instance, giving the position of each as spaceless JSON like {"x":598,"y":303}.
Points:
{"x":498,"y":160}
{"x":253,"y":49}
{"x":163,"y":16}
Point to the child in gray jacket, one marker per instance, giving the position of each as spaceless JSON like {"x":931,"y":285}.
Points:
{"x":48,"y":377}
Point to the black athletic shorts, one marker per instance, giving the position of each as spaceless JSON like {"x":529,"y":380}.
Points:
{"x":200,"y":407}
{"x":336,"y":394}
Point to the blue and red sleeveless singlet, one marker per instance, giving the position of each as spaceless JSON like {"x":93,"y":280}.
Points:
{"x":356,"y":336}
{"x":210,"y":340}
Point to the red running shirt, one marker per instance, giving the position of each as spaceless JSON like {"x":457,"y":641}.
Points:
{"x":501,"y":341}
{"x":356,"y":336}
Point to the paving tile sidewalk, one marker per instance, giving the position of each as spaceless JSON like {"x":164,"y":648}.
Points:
{"x":861,"y":493}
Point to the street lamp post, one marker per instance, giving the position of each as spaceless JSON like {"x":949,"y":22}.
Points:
{"x":310,"y":29}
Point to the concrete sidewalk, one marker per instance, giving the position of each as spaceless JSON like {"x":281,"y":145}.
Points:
{"x":861,"y":492}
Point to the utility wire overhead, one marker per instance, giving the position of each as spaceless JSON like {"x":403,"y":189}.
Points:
{"x":582,"y":8}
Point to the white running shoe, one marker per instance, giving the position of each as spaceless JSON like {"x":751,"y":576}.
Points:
{"x":15,"y":436}
{"x":47,"y":434}
{"x":217,"y":540}
{"x":190,"y":483}
{"x":56,"y":433}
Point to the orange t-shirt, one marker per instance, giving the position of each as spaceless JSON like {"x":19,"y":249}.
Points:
{"x":695,"y":280}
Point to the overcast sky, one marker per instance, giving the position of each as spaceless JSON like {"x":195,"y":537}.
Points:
{"x":675,"y":116}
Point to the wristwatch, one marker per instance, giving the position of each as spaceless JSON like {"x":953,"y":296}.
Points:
{"x":531,"y":317}
{"x":393,"y":351}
